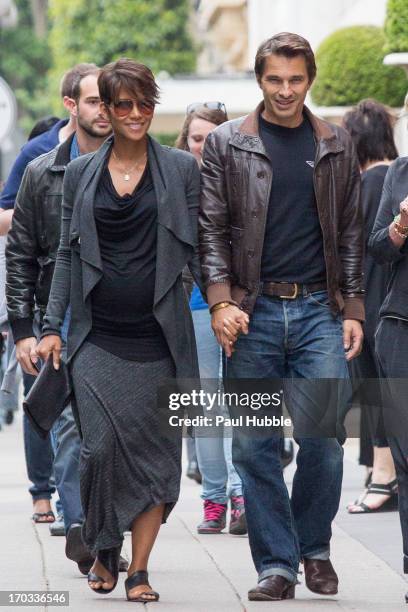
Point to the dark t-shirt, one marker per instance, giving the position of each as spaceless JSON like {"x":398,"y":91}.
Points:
{"x":293,"y":245}
{"x":122,"y":302}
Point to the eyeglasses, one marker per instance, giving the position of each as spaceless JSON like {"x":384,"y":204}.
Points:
{"x":122,"y":108}
{"x":191,"y":108}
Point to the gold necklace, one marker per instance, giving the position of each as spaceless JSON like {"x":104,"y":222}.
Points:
{"x":127,"y":173}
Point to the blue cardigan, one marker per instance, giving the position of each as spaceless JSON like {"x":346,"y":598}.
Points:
{"x":33,"y":148}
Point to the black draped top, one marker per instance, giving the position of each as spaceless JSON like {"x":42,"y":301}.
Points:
{"x":122,"y":302}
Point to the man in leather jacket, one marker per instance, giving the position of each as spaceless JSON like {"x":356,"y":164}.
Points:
{"x":30,"y":257}
{"x":281,"y":244}
{"x":38,"y":452}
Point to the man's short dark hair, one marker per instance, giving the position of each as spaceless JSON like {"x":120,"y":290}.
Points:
{"x":42,"y":125}
{"x":136,"y":78}
{"x":289,"y":45}
{"x":70,"y":83}
{"x":370,"y":125}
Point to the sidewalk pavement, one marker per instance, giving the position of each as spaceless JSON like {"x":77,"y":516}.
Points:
{"x":199,"y":573}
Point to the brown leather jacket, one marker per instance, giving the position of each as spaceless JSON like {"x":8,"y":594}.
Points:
{"x":236,"y":179}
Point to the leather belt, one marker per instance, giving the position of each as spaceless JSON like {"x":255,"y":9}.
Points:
{"x":290,"y":291}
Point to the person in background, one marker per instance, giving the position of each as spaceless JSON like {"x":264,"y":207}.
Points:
{"x":43,"y":125}
{"x":39,"y":453}
{"x":42,"y":143}
{"x":213,"y":452}
{"x":388,"y":245}
{"x":10,"y":381}
{"x":370,"y":127}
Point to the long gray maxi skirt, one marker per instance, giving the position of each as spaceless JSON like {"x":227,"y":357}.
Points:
{"x":126,"y":466}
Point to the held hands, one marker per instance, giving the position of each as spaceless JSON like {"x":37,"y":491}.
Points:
{"x":404,"y":212}
{"x":227,"y":323}
{"x":352,"y":337}
{"x":50,"y":344}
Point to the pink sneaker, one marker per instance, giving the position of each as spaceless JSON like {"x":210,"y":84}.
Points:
{"x":238,"y":524}
{"x":214,"y":517}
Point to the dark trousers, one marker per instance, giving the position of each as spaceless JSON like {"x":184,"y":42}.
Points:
{"x":392,"y":351}
{"x":67,"y":445}
{"x":39,"y":455}
{"x":364,"y":371}
{"x":54,"y":463}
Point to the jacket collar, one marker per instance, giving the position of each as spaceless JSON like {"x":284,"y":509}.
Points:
{"x":247,"y":137}
{"x":87,"y":187}
{"x":168,"y":210}
{"x":63,"y":155}
{"x":171,"y":218}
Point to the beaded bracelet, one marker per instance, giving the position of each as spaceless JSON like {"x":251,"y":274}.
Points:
{"x":397,"y":220}
{"x":400,"y":233}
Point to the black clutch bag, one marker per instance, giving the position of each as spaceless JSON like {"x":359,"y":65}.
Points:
{"x":48,"y":397}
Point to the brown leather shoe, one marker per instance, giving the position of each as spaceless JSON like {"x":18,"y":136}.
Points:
{"x":320,"y":576}
{"x":272,"y":588}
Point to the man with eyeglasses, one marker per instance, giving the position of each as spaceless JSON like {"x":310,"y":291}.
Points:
{"x":30,"y":258}
{"x":281,"y":244}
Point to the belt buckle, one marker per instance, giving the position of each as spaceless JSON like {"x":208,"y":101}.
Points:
{"x":291,"y":297}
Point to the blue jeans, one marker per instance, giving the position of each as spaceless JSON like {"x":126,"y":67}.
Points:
{"x":39,"y":455}
{"x":56,"y":457}
{"x":290,"y":339}
{"x":66,"y":444}
{"x":219,"y":477}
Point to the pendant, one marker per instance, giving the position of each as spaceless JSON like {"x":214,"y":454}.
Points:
{"x":126,"y":177}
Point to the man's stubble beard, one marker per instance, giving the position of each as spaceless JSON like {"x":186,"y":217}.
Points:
{"x":90,"y":130}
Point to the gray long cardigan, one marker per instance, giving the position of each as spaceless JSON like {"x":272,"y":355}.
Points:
{"x":78,"y":267}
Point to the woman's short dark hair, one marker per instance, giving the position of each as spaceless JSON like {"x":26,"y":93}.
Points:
{"x":216,"y":116}
{"x":289,"y":45}
{"x":125,"y":73}
{"x":370,"y":125}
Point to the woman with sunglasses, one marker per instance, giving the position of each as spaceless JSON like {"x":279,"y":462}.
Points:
{"x":213,"y":451}
{"x":129,"y":229}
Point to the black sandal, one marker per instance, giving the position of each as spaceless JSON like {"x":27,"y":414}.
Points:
{"x":109,"y":558}
{"x":391,"y":503}
{"x":136,"y":579}
{"x":39,"y":515}
{"x":362,"y":495}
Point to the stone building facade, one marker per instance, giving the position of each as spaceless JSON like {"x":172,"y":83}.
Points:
{"x":231,"y":30}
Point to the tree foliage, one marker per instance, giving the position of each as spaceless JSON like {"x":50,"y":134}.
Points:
{"x":24,"y":62}
{"x":350,"y":67}
{"x":396,"y":26}
{"x":154,"y":32}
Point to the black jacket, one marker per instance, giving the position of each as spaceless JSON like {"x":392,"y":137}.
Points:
{"x":176,"y":181}
{"x":34,"y":237}
{"x":381,"y":246}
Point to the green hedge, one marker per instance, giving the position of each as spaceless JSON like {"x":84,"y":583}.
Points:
{"x":166,"y":138}
{"x":396,"y":26}
{"x":350,"y":67}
